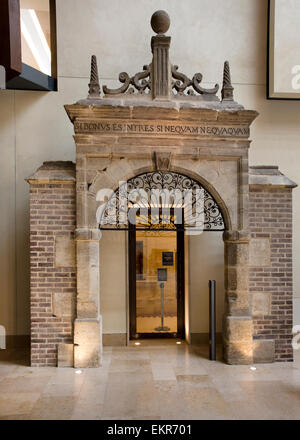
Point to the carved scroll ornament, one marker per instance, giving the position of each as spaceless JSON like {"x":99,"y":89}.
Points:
{"x":138,"y":81}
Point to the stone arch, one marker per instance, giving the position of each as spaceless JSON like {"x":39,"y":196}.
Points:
{"x":109,"y":179}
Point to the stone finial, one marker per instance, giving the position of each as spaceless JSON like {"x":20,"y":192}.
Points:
{"x":227,"y":89}
{"x":94,"y":86}
{"x":161,"y":82}
{"x":160,"y":22}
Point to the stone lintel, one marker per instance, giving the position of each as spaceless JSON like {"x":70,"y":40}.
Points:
{"x":269,"y":177}
{"x":153,"y":110}
{"x":54,"y":172}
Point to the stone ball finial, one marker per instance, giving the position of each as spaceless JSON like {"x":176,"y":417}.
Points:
{"x":160,"y":22}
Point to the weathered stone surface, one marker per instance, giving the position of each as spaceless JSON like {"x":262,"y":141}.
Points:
{"x":238,"y":302}
{"x":65,"y":355}
{"x":238,"y":329}
{"x":88,"y":343}
{"x":269,"y":176}
{"x":238,"y":339}
{"x":88,"y":278}
{"x":237,"y":278}
{"x":64,"y":251}
{"x":63,"y":304}
{"x":54,"y":172}
{"x":236,"y":254}
{"x":261,"y":303}
{"x":263,"y":351}
{"x":238,"y":353}
{"x":260,"y":252}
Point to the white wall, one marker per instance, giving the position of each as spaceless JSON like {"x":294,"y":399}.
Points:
{"x":206,"y":261}
{"x":35,"y":128}
{"x":113,"y":281}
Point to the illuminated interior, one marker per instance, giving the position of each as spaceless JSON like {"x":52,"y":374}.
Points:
{"x":35,"y":34}
{"x":156,"y":282}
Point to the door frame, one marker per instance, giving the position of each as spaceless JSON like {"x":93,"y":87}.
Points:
{"x":180,"y":334}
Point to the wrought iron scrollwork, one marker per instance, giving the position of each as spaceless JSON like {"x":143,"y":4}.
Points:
{"x":183,"y":82}
{"x":138,"y":81}
{"x":140,"y":188}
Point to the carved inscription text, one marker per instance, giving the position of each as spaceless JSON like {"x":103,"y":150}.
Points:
{"x":158,"y":128}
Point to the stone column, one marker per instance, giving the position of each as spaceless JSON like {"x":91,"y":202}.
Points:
{"x":88,"y":326}
{"x":237,"y":325}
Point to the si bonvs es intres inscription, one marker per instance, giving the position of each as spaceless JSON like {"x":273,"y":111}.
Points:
{"x":158,"y":128}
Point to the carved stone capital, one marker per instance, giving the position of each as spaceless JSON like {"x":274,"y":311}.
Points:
{"x":237,"y":236}
{"x":87,"y":234}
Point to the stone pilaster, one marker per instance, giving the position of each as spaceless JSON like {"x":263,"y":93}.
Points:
{"x":238,"y":324}
{"x":161,"y":68}
{"x":88,"y":325}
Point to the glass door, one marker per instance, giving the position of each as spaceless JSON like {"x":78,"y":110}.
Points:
{"x":156,"y":284}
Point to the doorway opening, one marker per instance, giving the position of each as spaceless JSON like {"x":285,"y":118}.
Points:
{"x":156,"y":283}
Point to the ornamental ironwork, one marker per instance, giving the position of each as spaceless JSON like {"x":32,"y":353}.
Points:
{"x":160,"y":201}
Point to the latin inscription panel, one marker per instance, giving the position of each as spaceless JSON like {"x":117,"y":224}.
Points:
{"x":158,"y":128}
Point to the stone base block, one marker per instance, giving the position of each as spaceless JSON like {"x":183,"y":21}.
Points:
{"x":238,"y":353}
{"x":238,"y":340}
{"x":88,"y":343}
{"x":65,"y":355}
{"x":263,"y":351}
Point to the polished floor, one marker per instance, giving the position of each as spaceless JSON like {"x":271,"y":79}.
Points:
{"x":154,"y":380}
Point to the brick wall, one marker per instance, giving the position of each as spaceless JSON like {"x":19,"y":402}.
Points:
{"x":271,"y":217}
{"x":52,"y":213}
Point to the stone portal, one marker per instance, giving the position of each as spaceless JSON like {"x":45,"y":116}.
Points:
{"x":159,"y":120}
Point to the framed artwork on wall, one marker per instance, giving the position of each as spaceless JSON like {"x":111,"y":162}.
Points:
{"x":283,"y":65}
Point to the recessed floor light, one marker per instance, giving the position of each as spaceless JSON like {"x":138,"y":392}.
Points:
{"x":178,"y":342}
{"x":253,"y":368}
{"x":78,"y":371}
{"x":137,"y":343}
